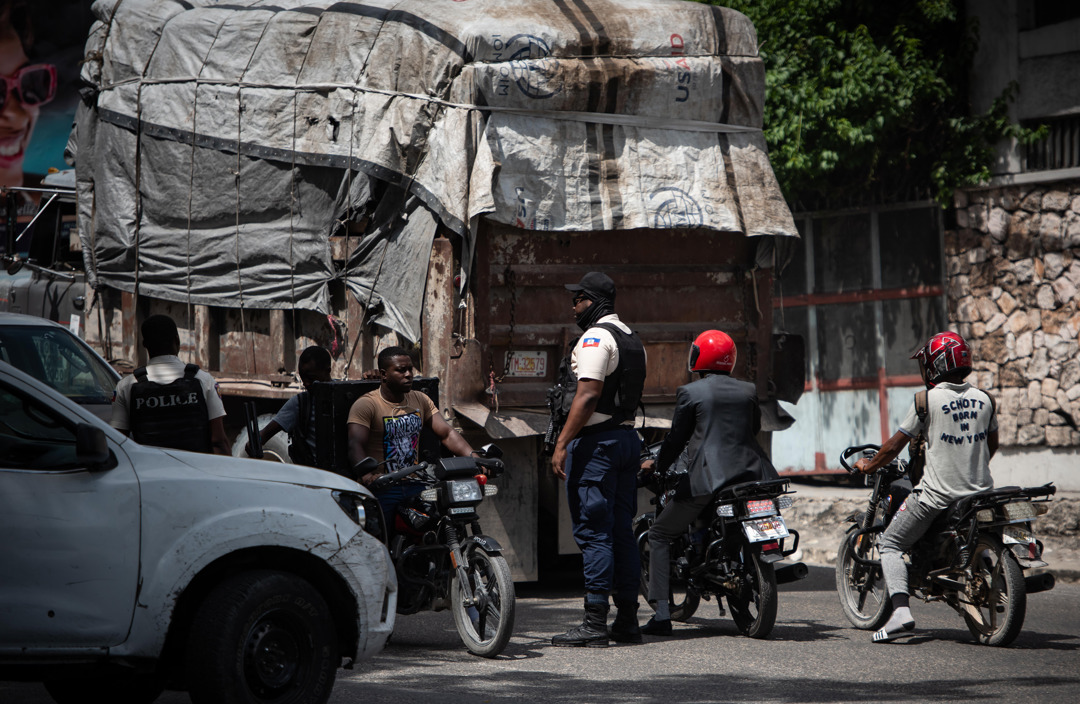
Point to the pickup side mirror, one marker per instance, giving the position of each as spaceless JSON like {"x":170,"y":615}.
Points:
{"x":92,"y":447}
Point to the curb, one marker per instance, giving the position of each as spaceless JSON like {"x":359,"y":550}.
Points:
{"x":820,"y":517}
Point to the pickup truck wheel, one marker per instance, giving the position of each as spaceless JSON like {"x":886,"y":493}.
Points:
{"x":106,"y":688}
{"x":262,"y":637}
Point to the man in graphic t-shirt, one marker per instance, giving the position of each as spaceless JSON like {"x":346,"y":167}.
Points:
{"x":385,"y":424}
{"x":961,"y":433}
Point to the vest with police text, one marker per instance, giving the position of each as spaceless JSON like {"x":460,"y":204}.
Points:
{"x":170,"y":415}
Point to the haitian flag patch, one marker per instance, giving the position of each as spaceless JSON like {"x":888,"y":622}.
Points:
{"x":591,"y":342}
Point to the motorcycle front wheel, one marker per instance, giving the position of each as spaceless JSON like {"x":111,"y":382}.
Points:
{"x":994,"y":602}
{"x":682,"y":600}
{"x":861,"y":588}
{"x":753,"y":607}
{"x":485,"y":628}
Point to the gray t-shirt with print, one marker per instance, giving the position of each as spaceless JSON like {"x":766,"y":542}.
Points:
{"x":959,"y":418}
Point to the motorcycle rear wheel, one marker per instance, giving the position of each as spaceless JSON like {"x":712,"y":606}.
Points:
{"x":682,"y":600}
{"x":754,"y":608}
{"x":1000,"y":603}
{"x":486,"y":629}
{"x":863,"y":596}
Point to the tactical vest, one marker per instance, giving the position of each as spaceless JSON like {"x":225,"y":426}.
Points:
{"x":299,"y":449}
{"x":623,"y":388}
{"x":170,"y":415}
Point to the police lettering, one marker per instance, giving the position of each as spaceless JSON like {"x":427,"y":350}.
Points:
{"x":166,"y":401}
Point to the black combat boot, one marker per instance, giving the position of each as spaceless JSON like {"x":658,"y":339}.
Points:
{"x":625,"y":629}
{"x":592,"y":632}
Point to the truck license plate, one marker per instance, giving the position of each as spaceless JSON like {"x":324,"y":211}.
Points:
{"x":762,"y":529}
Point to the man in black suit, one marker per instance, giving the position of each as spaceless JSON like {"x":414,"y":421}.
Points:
{"x":716,"y":420}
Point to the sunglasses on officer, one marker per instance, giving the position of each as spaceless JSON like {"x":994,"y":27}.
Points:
{"x":31,"y":85}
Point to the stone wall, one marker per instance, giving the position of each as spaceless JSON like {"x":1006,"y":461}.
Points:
{"x":1013,"y":276}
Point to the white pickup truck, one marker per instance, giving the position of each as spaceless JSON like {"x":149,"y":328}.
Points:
{"x":126,"y":570}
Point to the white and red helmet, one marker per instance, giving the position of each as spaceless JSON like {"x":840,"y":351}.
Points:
{"x":712,"y":351}
{"x":943,"y":353}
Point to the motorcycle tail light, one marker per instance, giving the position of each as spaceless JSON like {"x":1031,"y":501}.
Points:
{"x":727,"y":510}
{"x":490,"y":490}
{"x":762,"y":507}
{"x":770,"y":547}
{"x":1020,"y":510}
{"x":429,"y":495}
{"x":985,"y":516}
{"x":1041,"y":508}
{"x":785,"y":502}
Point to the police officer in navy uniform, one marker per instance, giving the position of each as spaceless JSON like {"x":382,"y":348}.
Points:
{"x":168,"y":403}
{"x":597,"y":453}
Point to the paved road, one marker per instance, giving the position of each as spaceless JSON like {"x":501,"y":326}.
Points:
{"x":813,"y":656}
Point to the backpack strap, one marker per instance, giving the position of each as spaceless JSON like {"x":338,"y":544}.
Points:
{"x":190,"y":370}
{"x":922,"y":408}
{"x":140,"y":375}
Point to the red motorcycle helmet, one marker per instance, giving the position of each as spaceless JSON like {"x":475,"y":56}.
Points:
{"x":712,"y":351}
{"x":943,"y":353}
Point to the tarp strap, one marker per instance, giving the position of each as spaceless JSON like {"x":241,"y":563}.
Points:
{"x":642,"y":121}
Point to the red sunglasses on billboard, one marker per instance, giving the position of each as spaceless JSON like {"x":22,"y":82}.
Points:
{"x":31,"y":85}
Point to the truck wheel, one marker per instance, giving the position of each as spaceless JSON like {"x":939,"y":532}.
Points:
{"x":262,"y":636}
{"x":276,"y":449}
{"x":106,"y":688}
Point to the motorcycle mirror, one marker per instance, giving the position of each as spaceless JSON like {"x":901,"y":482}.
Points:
{"x":491,"y":451}
{"x":366,"y":465}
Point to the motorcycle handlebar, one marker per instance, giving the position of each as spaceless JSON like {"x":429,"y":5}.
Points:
{"x":394,"y":477}
{"x":853,"y":450}
{"x":494,"y":465}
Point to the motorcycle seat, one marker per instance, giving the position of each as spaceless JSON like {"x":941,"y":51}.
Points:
{"x":958,"y":509}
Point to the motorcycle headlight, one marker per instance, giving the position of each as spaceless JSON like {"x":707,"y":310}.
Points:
{"x":464,"y":491}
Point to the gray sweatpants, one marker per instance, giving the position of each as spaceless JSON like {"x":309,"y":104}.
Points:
{"x":908,"y":525}
{"x":673,"y":521}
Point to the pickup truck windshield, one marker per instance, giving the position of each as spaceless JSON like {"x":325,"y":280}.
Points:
{"x":54,"y":356}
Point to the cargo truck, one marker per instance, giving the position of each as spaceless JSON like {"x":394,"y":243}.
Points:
{"x":423,"y":173}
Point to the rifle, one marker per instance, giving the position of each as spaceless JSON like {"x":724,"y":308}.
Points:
{"x":254,"y":438}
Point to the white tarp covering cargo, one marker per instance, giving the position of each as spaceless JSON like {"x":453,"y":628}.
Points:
{"x":223,"y":143}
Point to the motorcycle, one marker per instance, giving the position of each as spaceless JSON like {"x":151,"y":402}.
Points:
{"x":729,"y":551}
{"x":441,"y":557}
{"x":972,"y":557}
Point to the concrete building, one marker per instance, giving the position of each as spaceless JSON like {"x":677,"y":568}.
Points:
{"x":1002,"y":268}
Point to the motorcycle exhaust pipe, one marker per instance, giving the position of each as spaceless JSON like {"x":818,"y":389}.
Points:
{"x":1039,"y":583}
{"x":791,"y":573}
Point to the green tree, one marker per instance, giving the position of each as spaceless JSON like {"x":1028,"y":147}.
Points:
{"x":867,"y":101}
